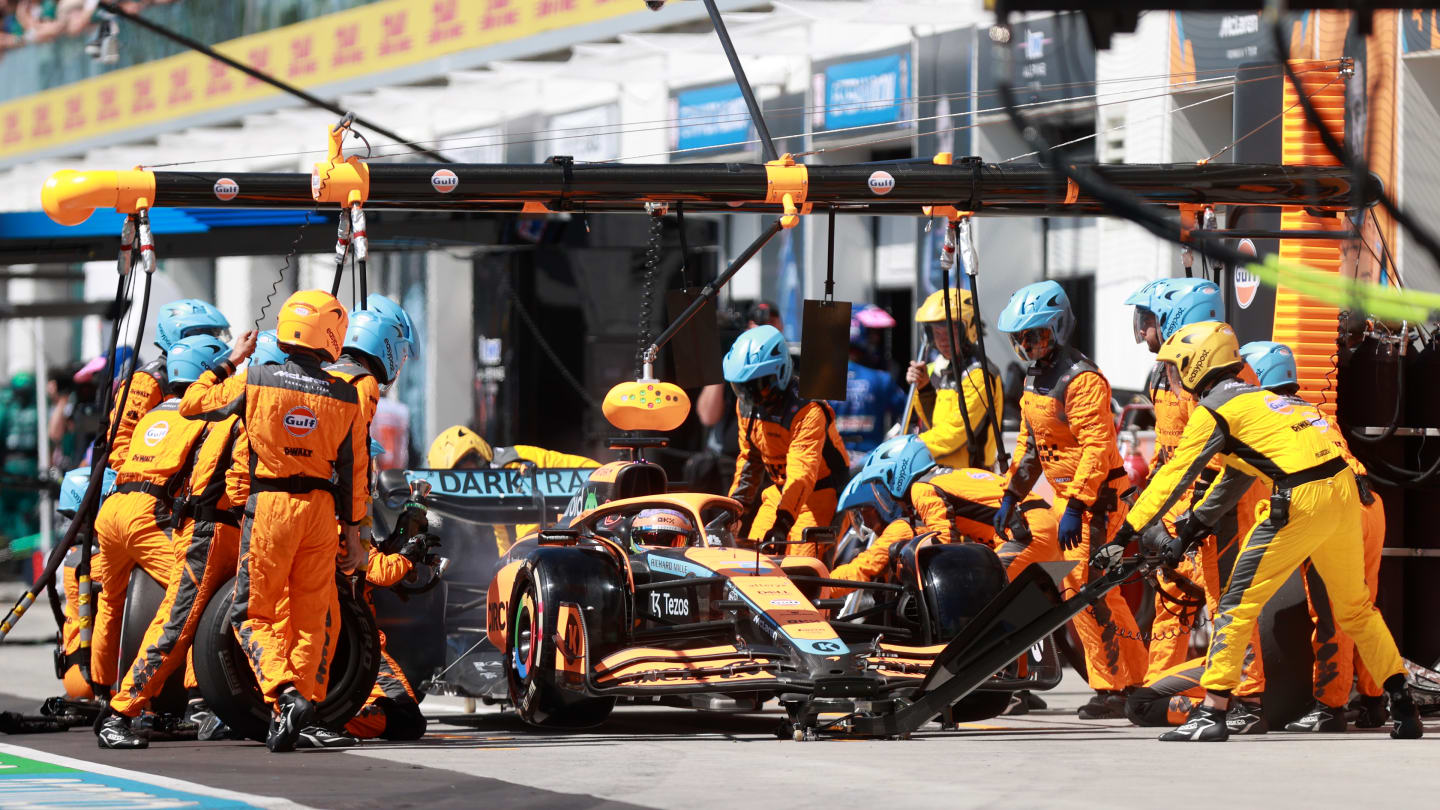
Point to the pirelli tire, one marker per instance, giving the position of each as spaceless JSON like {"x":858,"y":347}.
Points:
{"x":960,"y":579}
{"x":228,"y":684}
{"x":143,"y":595}
{"x":552,"y":580}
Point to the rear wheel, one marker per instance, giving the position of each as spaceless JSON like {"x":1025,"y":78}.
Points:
{"x":960,"y":579}
{"x":229,"y":686}
{"x":574,"y":592}
{"x":142,"y":599}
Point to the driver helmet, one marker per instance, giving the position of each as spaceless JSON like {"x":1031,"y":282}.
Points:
{"x":660,"y":528}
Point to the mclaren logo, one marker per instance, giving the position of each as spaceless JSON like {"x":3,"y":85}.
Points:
{"x":300,"y":421}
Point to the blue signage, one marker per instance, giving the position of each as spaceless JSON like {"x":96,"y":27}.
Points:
{"x":711,"y":116}
{"x":867,"y":92}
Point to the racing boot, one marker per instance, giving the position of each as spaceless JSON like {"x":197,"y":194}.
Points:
{"x":1369,"y":711}
{"x":113,"y":731}
{"x":321,"y":737}
{"x":1245,"y":718}
{"x":1403,"y":710}
{"x":292,"y":713}
{"x":1105,"y":705}
{"x":1320,"y":718}
{"x":1203,"y":725}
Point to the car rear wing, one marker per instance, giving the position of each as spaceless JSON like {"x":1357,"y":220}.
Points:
{"x":491,"y":496}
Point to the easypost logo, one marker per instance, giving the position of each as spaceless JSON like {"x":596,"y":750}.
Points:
{"x":1246,"y":284}
{"x":156,"y":433}
{"x":881,"y":183}
{"x":226,"y":189}
{"x":444,"y":181}
{"x":300,"y":421}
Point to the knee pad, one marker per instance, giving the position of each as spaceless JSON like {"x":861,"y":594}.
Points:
{"x":402,"y":721}
{"x":1147,"y":708}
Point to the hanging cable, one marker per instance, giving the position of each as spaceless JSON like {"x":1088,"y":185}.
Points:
{"x":647,"y":286}
{"x":970,"y":260}
{"x":684,"y":245}
{"x":362,"y":250}
{"x":974,"y":446}
{"x":342,"y":250}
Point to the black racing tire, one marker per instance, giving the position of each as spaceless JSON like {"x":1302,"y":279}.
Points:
{"x":143,"y":595}
{"x":960,"y":580}
{"x":552,"y":577}
{"x":229,"y":686}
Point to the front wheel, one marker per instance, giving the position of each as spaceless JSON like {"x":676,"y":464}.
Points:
{"x":560,"y":596}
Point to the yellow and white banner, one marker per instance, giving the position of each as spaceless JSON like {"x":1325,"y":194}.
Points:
{"x":372,"y":39}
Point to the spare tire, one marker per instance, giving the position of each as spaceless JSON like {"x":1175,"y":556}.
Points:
{"x":960,"y":580}
{"x":229,"y":686}
{"x":143,"y":596}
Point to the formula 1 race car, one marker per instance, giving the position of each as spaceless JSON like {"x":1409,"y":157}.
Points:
{"x":608,"y":609}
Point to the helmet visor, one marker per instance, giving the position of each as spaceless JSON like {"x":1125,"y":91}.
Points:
{"x":659,"y":538}
{"x":1145,"y":320}
{"x":1031,"y":344}
{"x":756,"y":390}
{"x":221,"y":332}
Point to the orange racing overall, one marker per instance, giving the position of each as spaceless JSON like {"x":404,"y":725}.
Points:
{"x":304,"y":426}
{"x":1067,"y":433}
{"x":132,"y":526}
{"x":207,"y":545}
{"x":147,"y":389}
{"x":796,"y":446}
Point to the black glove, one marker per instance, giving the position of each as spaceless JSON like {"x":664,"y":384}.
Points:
{"x":1110,"y":554}
{"x":1190,"y":531}
{"x":417,"y":548}
{"x":1156,"y":543}
{"x":775,"y":540}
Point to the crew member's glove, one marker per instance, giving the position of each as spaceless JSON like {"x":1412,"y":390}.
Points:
{"x":1110,"y":554}
{"x":1189,"y":530}
{"x":775,"y":539}
{"x":1157,"y":543}
{"x":1002,"y":514}
{"x":1071,"y":523}
{"x":417,"y":548}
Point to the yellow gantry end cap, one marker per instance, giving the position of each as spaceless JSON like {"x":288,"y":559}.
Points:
{"x":643,"y":405}
{"x":70,"y":197}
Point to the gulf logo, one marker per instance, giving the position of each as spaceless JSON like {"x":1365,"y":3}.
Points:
{"x":881,"y":183}
{"x":156,"y":433}
{"x":1246,"y":284}
{"x":226,"y":189}
{"x":300,"y":421}
{"x":444,"y":181}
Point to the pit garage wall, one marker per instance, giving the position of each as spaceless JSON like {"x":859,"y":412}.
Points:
{"x":1419,"y":149}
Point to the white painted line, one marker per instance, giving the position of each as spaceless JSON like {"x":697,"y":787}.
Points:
{"x":277,"y":802}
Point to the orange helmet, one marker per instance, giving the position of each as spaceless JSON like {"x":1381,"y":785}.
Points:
{"x":315,"y":320}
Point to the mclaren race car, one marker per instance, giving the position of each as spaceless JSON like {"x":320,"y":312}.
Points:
{"x":654,"y":597}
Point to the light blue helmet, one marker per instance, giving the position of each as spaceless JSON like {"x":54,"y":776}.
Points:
{"x":267,"y":350}
{"x":868,"y":488}
{"x":73,"y":486}
{"x":1145,"y":296}
{"x":756,"y":355}
{"x":193,"y":356}
{"x":1183,"y":301}
{"x":384,"y":331}
{"x":903,"y":459}
{"x":186,"y":317}
{"x":1042,"y":305}
{"x":1272,"y":362}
